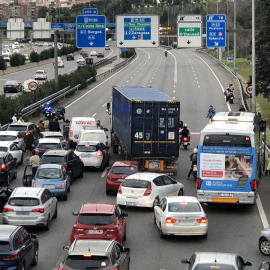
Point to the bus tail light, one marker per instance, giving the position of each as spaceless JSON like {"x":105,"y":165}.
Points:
{"x":198,"y":183}
{"x":253,"y":184}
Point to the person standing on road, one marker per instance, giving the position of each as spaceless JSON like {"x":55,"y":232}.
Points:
{"x":29,"y":144}
{"x":14,"y":118}
{"x":20,"y":120}
{"x":3,"y":199}
{"x":211,"y":112}
{"x":66,"y":129}
{"x":99,"y":125}
{"x":34,"y":162}
{"x":41,"y":127}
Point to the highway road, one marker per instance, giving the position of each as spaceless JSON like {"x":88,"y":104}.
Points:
{"x":197,"y":81}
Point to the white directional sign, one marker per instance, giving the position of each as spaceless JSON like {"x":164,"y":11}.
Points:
{"x":133,"y":31}
{"x":33,"y":86}
{"x":189,"y":31}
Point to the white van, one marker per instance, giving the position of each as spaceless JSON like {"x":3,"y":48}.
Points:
{"x":99,"y":135}
{"x":76,"y":124}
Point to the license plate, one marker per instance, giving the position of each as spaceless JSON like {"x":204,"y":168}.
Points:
{"x":120,"y":180}
{"x":49,"y":186}
{"x":154,"y":165}
{"x":21,"y":213}
{"x":226,"y":195}
{"x":86,"y":156}
{"x":195,"y":169}
{"x":186,"y":221}
{"x":95,"y":231}
{"x":131,"y":203}
{"x":185,"y":143}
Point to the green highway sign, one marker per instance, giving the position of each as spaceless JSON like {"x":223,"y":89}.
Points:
{"x":189,"y":31}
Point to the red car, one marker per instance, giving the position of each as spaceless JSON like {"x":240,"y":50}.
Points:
{"x":119,"y":171}
{"x":99,"y":221}
{"x":83,"y":51}
{"x":100,"y":54}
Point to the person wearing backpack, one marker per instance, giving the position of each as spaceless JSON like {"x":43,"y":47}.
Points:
{"x":66,"y":129}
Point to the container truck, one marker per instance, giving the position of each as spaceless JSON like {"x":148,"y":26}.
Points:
{"x":145,"y":127}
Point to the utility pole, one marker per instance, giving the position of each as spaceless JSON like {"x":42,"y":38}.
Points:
{"x":234,"y":35}
{"x":253,"y":59}
{"x":0,"y":42}
{"x":55,"y":58}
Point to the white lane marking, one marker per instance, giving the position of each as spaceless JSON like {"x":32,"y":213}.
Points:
{"x":94,"y":114}
{"x":105,"y":172}
{"x":222,"y":89}
{"x":175,"y":69}
{"x":262,"y":213}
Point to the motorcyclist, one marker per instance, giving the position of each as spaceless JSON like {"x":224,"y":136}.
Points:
{"x":230,"y":97}
{"x":185,"y":132}
{"x":193,"y":159}
{"x":166,"y":53}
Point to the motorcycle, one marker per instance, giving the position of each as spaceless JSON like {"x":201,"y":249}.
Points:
{"x":194,"y":171}
{"x":59,"y":113}
{"x":184,"y":141}
{"x":166,"y":53}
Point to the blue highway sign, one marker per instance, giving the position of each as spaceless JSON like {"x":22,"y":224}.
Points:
{"x":57,"y":25}
{"x":91,"y":31}
{"x":216,"y":30}
{"x":90,"y":11}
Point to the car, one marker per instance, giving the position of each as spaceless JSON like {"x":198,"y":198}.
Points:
{"x":53,"y":177}
{"x":50,"y":44}
{"x":84,"y":55}
{"x":53,"y":135}
{"x":93,"y":154}
{"x":89,"y":134}
{"x":47,"y":144}
{"x":12,"y":86}
{"x":13,"y":136}
{"x":81,"y":64}
{"x":30,"y":206}
{"x":93,"y":53}
{"x":100,"y":54}
{"x":80,"y":59}
{"x":60,"y":64}
{"x":119,"y":171}
{"x":6,"y":57}
{"x":23,"y":127}
{"x":99,"y":221}
{"x":22,"y":46}
{"x":19,"y":248}
{"x":16,"y":50}
{"x":107,"y":47}
{"x":180,"y":215}
{"x":8,"y":168}
{"x":26,"y":83}
{"x":27,"y":58}
{"x":264,"y":241}
{"x":45,"y":44}
{"x":70,"y":56}
{"x":40,"y":75}
{"x":13,"y":149}
{"x":209,"y":260}
{"x":143,"y":189}
{"x":96,"y":254}
{"x":83,"y":51}
{"x":72,"y":163}
{"x":89,"y":61}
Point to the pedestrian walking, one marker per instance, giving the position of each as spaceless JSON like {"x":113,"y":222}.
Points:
{"x":267,"y":171}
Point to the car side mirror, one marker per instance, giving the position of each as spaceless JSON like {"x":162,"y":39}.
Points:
{"x":124,"y":214}
{"x":75,"y":213}
{"x":65,"y":248}
{"x":105,"y":129}
{"x":125,"y":249}
{"x":250,"y":264}
{"x":185,"y":261}
{"x":156,"y":204}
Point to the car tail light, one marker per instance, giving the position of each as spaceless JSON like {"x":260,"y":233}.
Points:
{"x":109,"y":177}
{"x":41,"y":210}
{"x":65,"y":166}
{"x":114,"y":268}
{"x":201,"y":220}
{"x":34,"y":184}
{"x":194,"y":166}
{"x":35,"y":74}
{"x":63,"y":185}
{"x":3,"y":167}
{"x":170,"y":220}
{"x":43,"y":74}
{"x":11,"y":257}
{"x":253,"y":184}
{"x":78,"y":229}
{"x":119,"y":189}
{"x":185,"y":139}
{"x":114,"y":229}
{"x":99,"y":153}
{"x":71,"y":133}
{"x":148,"y":190}
{"x":15,"y":85}
{"x":198,"y":183}
{"x":4,"y":85}
{"x":36,"y":152}
{"x":61,"y":268}
{"x":8,"y":210}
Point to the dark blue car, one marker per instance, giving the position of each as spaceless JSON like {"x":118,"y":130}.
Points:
{"x":18,"y":248}
{"x":53,"y":177}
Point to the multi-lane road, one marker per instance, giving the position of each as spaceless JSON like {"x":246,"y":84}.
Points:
{"x":197,"y":81}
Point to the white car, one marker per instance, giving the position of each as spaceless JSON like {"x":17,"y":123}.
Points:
{"x":16,"y":51}
{"x":26,"y":83}
{"x":143,"y":189}
{"x":27,"y":58}
{"x":93,"y":53}
{"x":13,"y":149}
{"x":180,"y":215}
{"x":54,"y":135}
{"x":80,"y":59}
{"x":13,"y":136}
{"x":30,"y":206}
{"x":40,"y":75}
{"x":88,"y":134}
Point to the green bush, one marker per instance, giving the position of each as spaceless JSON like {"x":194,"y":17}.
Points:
{"x":44,"y":55}
{"x":34,"y":57}
{"x":16,"y":60}
{"x":3,"y":65}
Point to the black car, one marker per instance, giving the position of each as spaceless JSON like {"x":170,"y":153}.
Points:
{"x":84,"y":55}
{"x":96,"y":254}
{"x":70,"y":57}
{"x":100,"y":54}
{"x":89,"y":60}
{"x":8,"y":168}
{"x":71,"y":162}
{"x":18,"y":248}
{"x":12,"y":86}
{"x":81,"y":64}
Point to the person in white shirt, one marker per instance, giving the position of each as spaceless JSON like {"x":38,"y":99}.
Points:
{"x":14,"y":118}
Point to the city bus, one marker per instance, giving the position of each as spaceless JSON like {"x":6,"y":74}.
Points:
{"x":229,"y":160}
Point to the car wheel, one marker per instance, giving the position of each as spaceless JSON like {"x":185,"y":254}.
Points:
{"x":55,"y":212}
{"x":161,"y":234}
{"x":69,"y":188}
{"x":181,"y":192}
{"x":101,"y":168}
{"x":23,"y":266}
{"x":81,"y":173}
{"x":65,"y":197}
{"x":47,"y":226}
{"x":21,"y":161}
{"x":264,"y":246}
{"x":35,"y":260}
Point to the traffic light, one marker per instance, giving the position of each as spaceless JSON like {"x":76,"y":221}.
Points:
{"x":262,"y":124}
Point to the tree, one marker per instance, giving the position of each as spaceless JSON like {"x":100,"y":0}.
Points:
{"x":42,"y":12}
{"x":263,"y":51}
{"x":3,"y":65}
{"x":34,"y":57}
{"x":16,"y":60}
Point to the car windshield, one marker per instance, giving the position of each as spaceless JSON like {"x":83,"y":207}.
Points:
{"x":17,"y":128}
{"x":123,"y":170}
{"x":4,"y":246}
{"x":55,"y":137}
{"x":3,"y":149}
{"x":95,"y":219}
{"x":133,"y":183}
{"x":11,"y":82}
{"x":87,"y":148}
{"x":39,"y":72}
{"x":49,"y":145}
{"x":7,"y":138}
{"x":52,"y":159}
{"x":206,"y":266}
{"x":48,"y":173}
{"x":23,"y":202}
{"x":93,"y":137}
{"x":86,"y":262}
{"x":184,"y":207}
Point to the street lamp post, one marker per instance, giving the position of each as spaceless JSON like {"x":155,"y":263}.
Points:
{"x":253,"y":59}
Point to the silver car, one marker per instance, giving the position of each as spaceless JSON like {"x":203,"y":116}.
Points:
{"x":264,"y":242}
{"x":13,"y":136}
{"x":13,"y":149}
{"x":30,"y":206}
{"x":222,"y":261}
{"x":180,"y":215}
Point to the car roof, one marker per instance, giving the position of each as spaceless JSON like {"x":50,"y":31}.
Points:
{"x":181,"y":199}
{"x":144,"y":176}
{"x":85,"y":130}
{"x":6,"y":143}
{"x":26,"y":192}
{"x":7,"y":230}
{"x":50,"y":166}
{"x":48,"y":133}
{"x":9,"y":132}
{"x":215,"y":257}
{"x":88,"y":142}
{"x":90,"y":246}
{"x":2,"y":153}
{"x":49,"y":140}
{"x":21,"y":124}
{"x":97,"y":208}
{"x":125,"y":163}
{"x":56,"y":152}
{"x":40,"y":70}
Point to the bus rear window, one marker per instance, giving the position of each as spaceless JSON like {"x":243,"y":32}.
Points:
{"x":227,"y":140}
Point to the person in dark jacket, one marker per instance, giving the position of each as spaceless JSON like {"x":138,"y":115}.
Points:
{"x":5,"y":193}
{"x":193,"y":159}
{"x":66,"y":129}
{"x":211,"y":112}
{"x":29,"y":144}
{"x":54,"y":125}
{"x":242,"y":108}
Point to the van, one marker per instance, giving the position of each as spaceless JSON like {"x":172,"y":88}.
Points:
{"x":98,"y":135}
{"x":76,"y":124}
